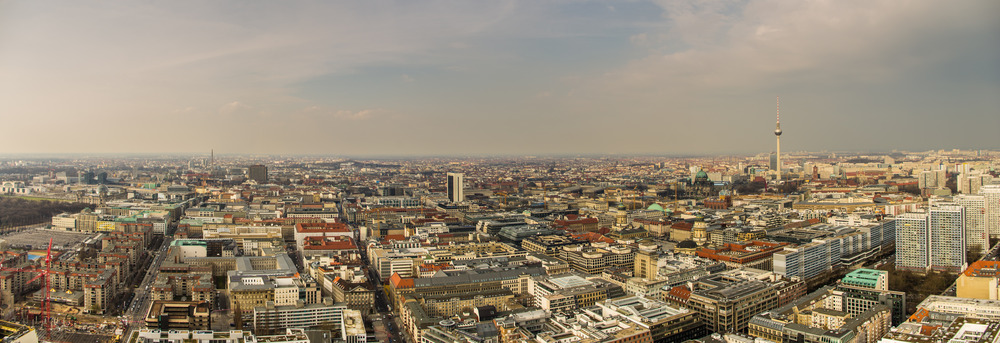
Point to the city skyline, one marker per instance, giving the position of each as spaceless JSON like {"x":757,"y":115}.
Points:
{"x":504,"y":78}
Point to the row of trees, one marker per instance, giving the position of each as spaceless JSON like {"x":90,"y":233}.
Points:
{"x":919,"y":286}
{"x":17,"y":211}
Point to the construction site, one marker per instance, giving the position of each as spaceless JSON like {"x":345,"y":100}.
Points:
{"x":69,"y":286}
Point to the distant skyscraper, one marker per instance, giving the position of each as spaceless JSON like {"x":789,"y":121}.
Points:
{"x":258,"y":173}
{"x":969,"y":182}
{"x":777,"y":137}
{"x":773,"y":161}
{"x":932,"y":179}
{"x":455,"y":185}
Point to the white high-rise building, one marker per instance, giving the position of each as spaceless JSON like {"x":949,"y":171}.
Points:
{"x":946,"y":224}
{"x":932,"y":240}
{"x":456,"y":182}
{"x":912,"y":242}
{"x":992,"y":215}
{"x":970,"y":182}
{"x":976,"y":237}
{"x":932,"y":179}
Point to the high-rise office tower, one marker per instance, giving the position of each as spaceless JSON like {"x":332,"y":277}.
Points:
{"x":258,"y":173}
{"x":946,"y":223}
{"x":992,"y":215}
{"x":777,"y":137}
{"x":455,"y":184}
{"x":976,"y":238}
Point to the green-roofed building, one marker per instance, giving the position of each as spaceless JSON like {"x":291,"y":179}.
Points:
{"x":870,"y":278}
{"x":864,"y":289}
{"x":188,"y":242}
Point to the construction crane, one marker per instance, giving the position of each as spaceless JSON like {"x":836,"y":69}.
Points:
{"x":45,"y":307}
{"x":504,"y":195}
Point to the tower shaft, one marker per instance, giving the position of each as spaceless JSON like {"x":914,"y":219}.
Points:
{"x":778,"y":141}
{"x":777,"y":136}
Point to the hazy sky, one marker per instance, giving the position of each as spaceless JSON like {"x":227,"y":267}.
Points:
{"x":497,"y":77}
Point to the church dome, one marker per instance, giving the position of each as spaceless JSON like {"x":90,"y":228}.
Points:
{"x":701,"y":175}
{"x":687,"y":244}
{"x":655,"y":207}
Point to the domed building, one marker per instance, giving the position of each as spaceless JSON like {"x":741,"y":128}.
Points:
{"x":701,"y":185}
{"x":701,"y":176}
{"x":687,"y":247}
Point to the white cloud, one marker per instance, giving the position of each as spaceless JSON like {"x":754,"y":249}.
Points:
{"x":354,"y":115}
{"x":719,"y":45}
{"x":320,"y":112}
{"x":234,"y":107}
{"x":490,"y":65}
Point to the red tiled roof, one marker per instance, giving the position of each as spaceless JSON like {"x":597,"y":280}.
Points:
{"x":592,"y":237}
{"x":684,"y":226}
{"x":400,"y":282}
{"x":680,"y":292}
{"x":328,"y":243}
{"x":394,"y":238}
{"x":919,"y":315}
{"x":983,"y":269}
{"x":321,"y":227}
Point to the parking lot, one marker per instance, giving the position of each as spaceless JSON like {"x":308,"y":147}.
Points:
{"x":39,"y":238}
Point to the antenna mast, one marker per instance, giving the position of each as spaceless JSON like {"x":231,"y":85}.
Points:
{"x":777,"y":136}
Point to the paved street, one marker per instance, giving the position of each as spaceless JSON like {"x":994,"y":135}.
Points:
{"x":390,"y":322}
{"x":136,"y":312}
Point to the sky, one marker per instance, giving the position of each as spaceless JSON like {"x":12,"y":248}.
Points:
{"x":497,"y":77}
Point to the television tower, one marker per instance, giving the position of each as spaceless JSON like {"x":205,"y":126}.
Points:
{"x":777,"y":134}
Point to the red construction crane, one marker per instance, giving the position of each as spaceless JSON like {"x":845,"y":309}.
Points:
{"x":46,"y":306}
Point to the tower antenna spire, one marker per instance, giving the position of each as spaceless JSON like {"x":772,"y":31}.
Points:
{"x":777,"y":136}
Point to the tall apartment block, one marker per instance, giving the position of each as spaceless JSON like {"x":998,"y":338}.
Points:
{"x":258,"y":173}
{"x":934,"y":239}
{"x":992,"y":195}
{"x":947,"y":234}
{"x":976,"y":236}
